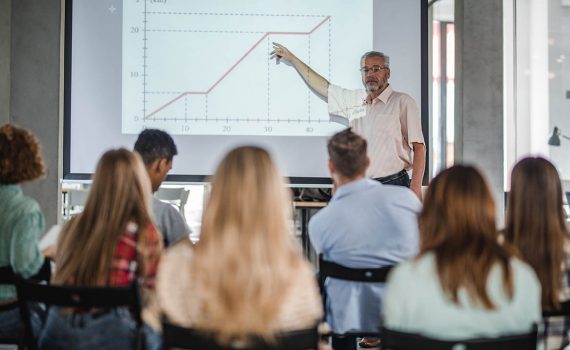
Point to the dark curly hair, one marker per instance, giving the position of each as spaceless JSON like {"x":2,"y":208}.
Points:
{"x":153,"y":144}
{"x":20,"y":156}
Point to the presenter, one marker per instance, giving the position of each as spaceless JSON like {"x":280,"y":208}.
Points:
{"x":387,"y":119}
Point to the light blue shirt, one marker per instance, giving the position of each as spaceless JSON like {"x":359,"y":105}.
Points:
{"x":365,"y":225}
{"x":415,"y":303}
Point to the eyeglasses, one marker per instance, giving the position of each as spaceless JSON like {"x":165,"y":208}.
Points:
{"x":373,"y":69}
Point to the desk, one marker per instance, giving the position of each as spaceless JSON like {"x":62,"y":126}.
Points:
{"x":304,"y":208}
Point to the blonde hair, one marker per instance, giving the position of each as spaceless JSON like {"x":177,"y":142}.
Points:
{"x":120,"y":194}
{"x":245,"y":257}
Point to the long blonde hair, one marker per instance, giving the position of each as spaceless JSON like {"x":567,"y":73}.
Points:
{"x":458,"y":225}
{"x":535,"y":223}
{"x":120,"y":194}
{"x":245,"y":257}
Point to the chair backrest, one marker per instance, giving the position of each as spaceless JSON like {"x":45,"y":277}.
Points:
{"x":334,"y":270}
{"x":187,"y":338}
{"x":394,"y":340}
{"x":72,"y":296}
{"x":176,"y":196}
{"x":563,"y":311}
{"x":7,"y":275}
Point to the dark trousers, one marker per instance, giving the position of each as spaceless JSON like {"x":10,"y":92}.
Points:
{"x":343,"y":343}
{"x":399,"y":179}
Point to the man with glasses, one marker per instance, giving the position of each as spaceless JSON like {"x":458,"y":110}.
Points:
{"x":387,"y":119}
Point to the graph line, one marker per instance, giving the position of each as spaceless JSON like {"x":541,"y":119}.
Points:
{"x":232,"y":67}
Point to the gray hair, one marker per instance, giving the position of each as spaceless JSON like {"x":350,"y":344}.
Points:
{"x":376,"y":54}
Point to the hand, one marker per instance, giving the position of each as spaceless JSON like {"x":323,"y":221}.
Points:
{"x":50,"y":251}
{"x":280,"y":52}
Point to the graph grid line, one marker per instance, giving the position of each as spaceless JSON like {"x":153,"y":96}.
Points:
{"x":229,"y":70}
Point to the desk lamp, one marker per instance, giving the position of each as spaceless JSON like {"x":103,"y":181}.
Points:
{"x":554,"y":140}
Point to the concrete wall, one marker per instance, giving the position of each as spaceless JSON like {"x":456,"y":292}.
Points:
{"x":34,"y":95}
{"x":479,"y":89}
{"x":5,"y":21}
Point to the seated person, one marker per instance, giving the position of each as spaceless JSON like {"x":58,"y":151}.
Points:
{"x":21,"y":219}
{"x":157,"y":150}
{"x":366,"y":225}
{"x":464,"y":284}
{"x":245,"y":276}
{"x":535,"y":224}
{"x":111,"y":243}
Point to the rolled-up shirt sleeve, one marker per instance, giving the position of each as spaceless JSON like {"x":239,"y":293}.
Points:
{"x":346,"y":103}
{"x":411,"y":121}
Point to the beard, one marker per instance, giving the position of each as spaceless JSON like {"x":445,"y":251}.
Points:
{"x":375,"y":85}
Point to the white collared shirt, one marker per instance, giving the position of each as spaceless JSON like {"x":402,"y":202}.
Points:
{"x":390,"y":124}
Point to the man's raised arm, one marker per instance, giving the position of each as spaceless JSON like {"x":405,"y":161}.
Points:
{"x":319,"y":84}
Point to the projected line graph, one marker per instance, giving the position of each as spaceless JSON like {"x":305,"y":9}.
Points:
{"x":190,"y":68}
{"x":267,"y":34}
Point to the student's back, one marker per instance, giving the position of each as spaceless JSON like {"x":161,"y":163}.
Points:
{"x":21,"y":219}
{"x":111,"y":243}
{"x":245,"y":276}
{"x":536,"y":225}
{"x":365,"y":225}
{"x":463,"y":284}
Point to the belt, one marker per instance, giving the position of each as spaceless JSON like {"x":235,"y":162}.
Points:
{"x":392,"y":177}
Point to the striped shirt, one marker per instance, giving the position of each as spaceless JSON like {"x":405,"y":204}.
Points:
{"x":390,"y":124}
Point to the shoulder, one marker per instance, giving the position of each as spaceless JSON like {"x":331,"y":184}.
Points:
{"x":524,"y":273}
{"x":403,"y":96}
{"x":181,"y":250}
{"x":405,"y":100}
{"x":159,"y":206}
{"x":414,"y":268}
{"x":25,"y":212}
{"x":173,"y":285}
{"x":400,"y":195}
{"x":21,"y":204}
{"x":174,"y":260}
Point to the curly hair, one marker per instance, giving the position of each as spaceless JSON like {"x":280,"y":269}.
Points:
{"x":20,"y":155}
{"x":153,"y":144}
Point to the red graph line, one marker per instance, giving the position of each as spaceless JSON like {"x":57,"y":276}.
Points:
{"x":233,"y":67}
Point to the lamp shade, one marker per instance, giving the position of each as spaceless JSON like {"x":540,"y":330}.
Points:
{"x":554,"y":140}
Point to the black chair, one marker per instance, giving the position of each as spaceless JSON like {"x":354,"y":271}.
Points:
{"x":7,"y":276}
{"x":333,"y":270}
{"x":78,"y":297}
{"x":563,"y":311}
{"x":187,"y":338}
{"x":394,"y":340}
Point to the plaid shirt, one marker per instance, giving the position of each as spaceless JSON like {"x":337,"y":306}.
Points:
{"x":128,"y":261}
{"x":557,"y":329}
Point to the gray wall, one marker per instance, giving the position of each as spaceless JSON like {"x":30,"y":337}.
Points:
{"x":479,"y":89}
{"x":5,"y":20}
{"x":34,"y":92}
